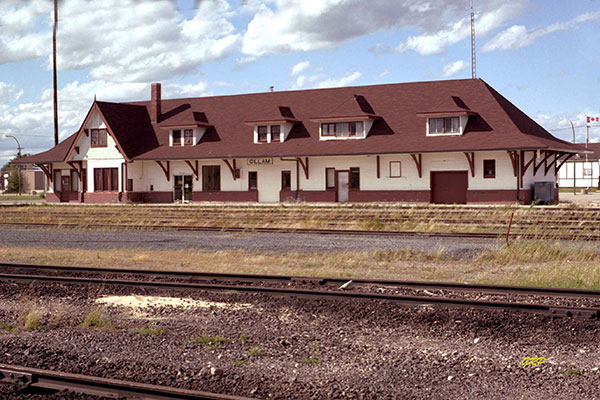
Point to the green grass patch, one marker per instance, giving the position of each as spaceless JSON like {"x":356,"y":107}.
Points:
{"x":152,"y":330}
{"x":211,"y":341}
{"x":7,"y":327}
{"x":98,"y":319}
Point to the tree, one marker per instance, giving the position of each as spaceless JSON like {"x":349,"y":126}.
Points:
{"x":15,"y":179}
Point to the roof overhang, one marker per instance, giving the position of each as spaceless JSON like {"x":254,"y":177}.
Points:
{"x":272,"y":121}
{"x":444,"y":113}
{"x":345,"y":118}
{"x":186,"y":126}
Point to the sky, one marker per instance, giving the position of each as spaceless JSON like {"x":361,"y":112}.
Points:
{"x":543,"y":55}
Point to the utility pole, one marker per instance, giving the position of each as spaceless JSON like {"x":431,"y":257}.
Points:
{"x":54,"y":71}
{"x":574,"y":162}
{"x":473,"y":61}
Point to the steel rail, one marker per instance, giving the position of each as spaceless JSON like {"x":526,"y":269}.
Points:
{"x":580,"y":236}
{"x":236,"y":277}
{"x":544,"y":309}
{"x":40,"y":378}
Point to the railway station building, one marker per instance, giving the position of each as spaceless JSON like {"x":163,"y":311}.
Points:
{"x":451,"y":141}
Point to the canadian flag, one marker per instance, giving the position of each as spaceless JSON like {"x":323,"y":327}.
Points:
{"x":592,"y":119}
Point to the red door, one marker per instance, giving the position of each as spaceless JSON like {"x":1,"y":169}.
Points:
{"x":65,"y":188}
{"x":449,"y":187}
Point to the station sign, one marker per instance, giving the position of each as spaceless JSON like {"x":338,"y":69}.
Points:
{"x":260,"y":161}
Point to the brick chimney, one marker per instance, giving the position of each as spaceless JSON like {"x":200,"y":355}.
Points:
{"x":155,"y":102}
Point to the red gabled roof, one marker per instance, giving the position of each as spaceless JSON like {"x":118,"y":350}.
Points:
{"x":55,"y":154}
{"x":274,"y":115}
{"x":449,"y":105}
{"x":355,"y":106}
{"x":497,"y":125}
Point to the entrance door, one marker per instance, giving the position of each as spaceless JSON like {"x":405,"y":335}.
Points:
{"x":449,"y":187}
{"x":183,"y":187}
{"x":342,"y":184}
{"x":65,"y":186}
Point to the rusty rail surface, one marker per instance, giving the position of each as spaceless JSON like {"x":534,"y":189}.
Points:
{"x":544,"y":309}
{"x":38,"y":378}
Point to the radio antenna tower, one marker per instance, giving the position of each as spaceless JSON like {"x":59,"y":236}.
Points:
{"x":473,"y":60}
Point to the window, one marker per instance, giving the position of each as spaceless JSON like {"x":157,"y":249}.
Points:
{"x":74,"y":181}
{"x":106,"y":179}
{"x":275,"y":133}
{"x":354,"y":178}
{"x":327,"y":129}
{"x":188,"y":137}
{"x":444,"y":125}
{"x":286,"y":180}
{"x":252,"y":180}
{"x":211,"y":178}
{"x":176,"y":137}
{"x":587,"y":172}
{"x":130,"y":185}
{"x":57,"y":177}
{"x":343,"y":129}
{"x":395,"y":169}
{"x":489,"y":168}
{"x":262,"y":133}
{"x":98,"y":137}
{"x":329,"y":178}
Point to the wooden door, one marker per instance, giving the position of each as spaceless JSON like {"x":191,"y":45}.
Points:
{"x":65,"y":188}
{"x":449,"y":187}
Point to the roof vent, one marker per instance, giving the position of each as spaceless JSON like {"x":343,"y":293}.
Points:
{"x":271,"y":88}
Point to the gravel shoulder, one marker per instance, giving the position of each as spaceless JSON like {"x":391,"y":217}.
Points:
{"x":291,"y":348}
{"x":216,"y":241}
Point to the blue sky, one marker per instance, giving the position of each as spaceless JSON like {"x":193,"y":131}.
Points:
{"x":540,"y":54}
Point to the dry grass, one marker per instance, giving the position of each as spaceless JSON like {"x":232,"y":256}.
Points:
{"x":535,"y":263}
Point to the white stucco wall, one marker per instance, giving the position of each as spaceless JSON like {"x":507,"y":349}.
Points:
{"x":147,"y":173}
{"x":565,"y":174}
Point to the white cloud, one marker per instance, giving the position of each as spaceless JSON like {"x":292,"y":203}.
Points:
{"x":518,"y":36}
{"x":9,"y":93}
{"x":301,"y":66}
{"x":316,"y":25}
{"x":455,"y":67}
{"x":559,"y":126}
{"x":383,"y":73}
{"x":32,"y":122}
{"x":122,"y":40}
{"x":347,"y":79}
{"x":436,"y":42}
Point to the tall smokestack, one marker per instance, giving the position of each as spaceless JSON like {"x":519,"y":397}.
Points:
{"x":155,"y":102}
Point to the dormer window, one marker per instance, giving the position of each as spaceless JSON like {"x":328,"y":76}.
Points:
{"x":182,"y":137}
{"x":262,"y":133}
{"x":176,"y":137}
{"x":275,"y":133}
{"x":342,"y":130}
{"x":188,"y":137}
{"x":444,"y":125}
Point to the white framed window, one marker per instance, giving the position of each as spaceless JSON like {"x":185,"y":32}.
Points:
{"x":444,"y":125}
{"x":275,"y":133}
{"x":395,"y":169}
{"x":343,"y":130}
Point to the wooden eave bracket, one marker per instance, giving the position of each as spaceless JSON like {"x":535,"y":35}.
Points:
{"x":45,"y":170}
{"x":537,"y":166}
{"x":304,"y":165}
{"x":79,"y":170}
{"x":166,"y":169}
{"x":418,"y":159}
{"x":232,"y":167}
{"x":524,"y":165}
{"x":471,"y":160}
{"x":378,"y":168}
{"x":562,"y":162}
{"x":547,"y":166}
{"x":194,"y":170}
{"x":513,"y":160}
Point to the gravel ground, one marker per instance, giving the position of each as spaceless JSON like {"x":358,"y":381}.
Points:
{"x":215,"y":241}
{"x":289,"y":348}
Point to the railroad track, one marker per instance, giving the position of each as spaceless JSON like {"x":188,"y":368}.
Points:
{"x":233,"y":284}
{"x":30,"y":379}
{"x":453,"y":221}
{"x":556,"y":233}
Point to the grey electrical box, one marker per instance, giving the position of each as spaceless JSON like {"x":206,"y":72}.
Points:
{"x":544,"y":191}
